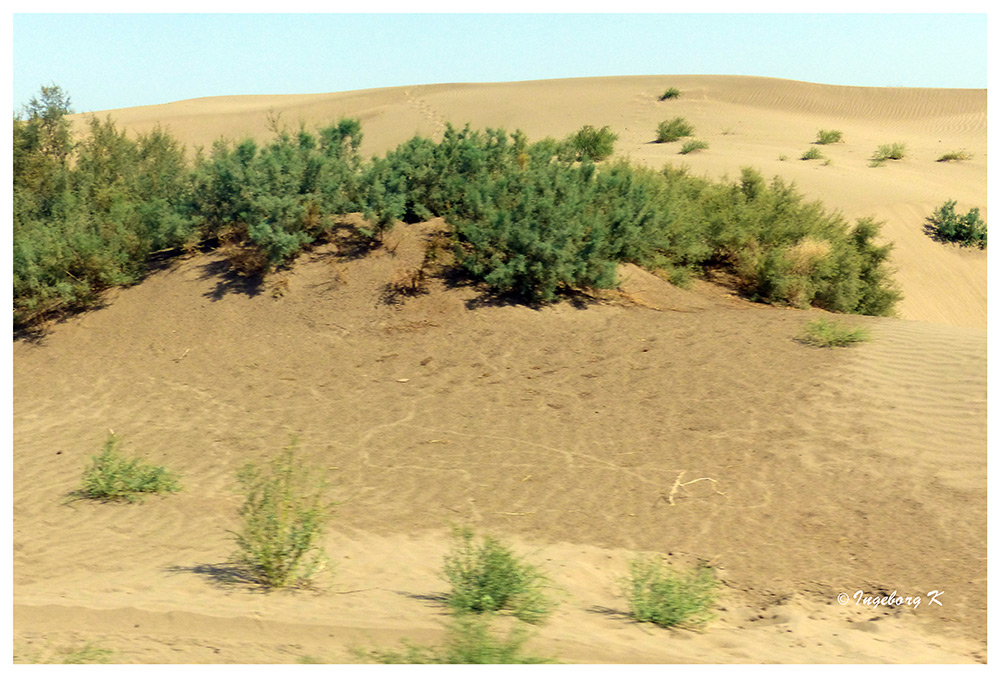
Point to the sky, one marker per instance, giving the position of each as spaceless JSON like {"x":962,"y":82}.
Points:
{"x":108,"y":61}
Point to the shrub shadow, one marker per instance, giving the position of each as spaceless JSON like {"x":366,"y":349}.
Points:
{"x":229,"y":282}
{"x":222,"y":575}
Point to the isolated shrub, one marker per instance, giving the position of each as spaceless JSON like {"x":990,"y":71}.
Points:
{"x":967,"y":229}
{"x":828,"y":334}
{"x":593,"y":144}
{"x":825,"y":136}
{"x":658,"y":595}
{"x":486,"y":576}
{"x":283,"y":519}
{"x":693,"y":145}
{"x":812,"y":154}
{"x":672,"y":130}
{"x":889,"y":151}
{"x":955,"y":156}
{"x":671,"y":93}
{"x":113,"y":476}
{"x":470,"y":640}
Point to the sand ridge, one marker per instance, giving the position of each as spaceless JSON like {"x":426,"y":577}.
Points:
{"x":562,"y":428}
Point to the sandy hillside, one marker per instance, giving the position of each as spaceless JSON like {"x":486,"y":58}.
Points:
{"x":566,"y":430}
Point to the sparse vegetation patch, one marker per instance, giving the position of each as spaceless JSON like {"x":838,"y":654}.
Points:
{"x":486,"y":576}
{"x":955,"y":156}
{"x":693,"y":145}
{"x":284,"y":516}
{"x":667,"y":598}
{"x":112,"y":476}
{"x":669,"y":131}
{"x":670,"y":93}
{"x":829,"y":334}
{"x":889,"y":151}
{"x":812,"y":154}
{"x":825,"y":136}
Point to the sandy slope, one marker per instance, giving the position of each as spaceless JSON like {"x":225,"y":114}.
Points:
{"x":563,"y":429}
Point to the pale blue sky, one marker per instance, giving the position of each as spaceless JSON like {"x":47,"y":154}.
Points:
{"x":110,"y":61}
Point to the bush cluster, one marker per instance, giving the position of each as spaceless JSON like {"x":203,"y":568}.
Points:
{"x":666,"y":598}
{"x":112,"y":476}
{"x":669,"y":131}
{"x":967,"y":229}
{"x":528,"y":219}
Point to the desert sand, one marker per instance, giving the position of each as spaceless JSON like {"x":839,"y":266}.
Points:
{"x":562,"y":429}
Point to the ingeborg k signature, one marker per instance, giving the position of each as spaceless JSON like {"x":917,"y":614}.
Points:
{"x":891,"y":600}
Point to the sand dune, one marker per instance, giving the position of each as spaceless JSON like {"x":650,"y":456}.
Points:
{"x":562,"y":429}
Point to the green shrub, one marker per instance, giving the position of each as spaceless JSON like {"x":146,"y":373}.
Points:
{"x":284,"y":516}
{"x":593,"y":144}
{"x":825,"y":136}
{"x":657,"y":595}
{"x":487,"y":577}
{"x":955,"y":156}
{"x":812,"y":154}
{"x":470,"y":640}
{"x":115,"y":477}
{"x":671,"y":93}
{"x":693,"y":145}
{"x":967,"y":229}
{"x":890,"y":151}
{"x":828,"y":334}
{"x":672,"y":130}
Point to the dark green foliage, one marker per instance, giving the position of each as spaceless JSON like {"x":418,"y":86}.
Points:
{"x":470,"y":640}
{"x":487,"y":577}
{"x":269,"y":203}
{"x":967,"y":229}
{"x":671,"y":93}
{"x":593,"y":144}
{"x":115,"y":477}
{"x":812,"y":154}
{"x":672,"y":130}
{"x":86,"y":216}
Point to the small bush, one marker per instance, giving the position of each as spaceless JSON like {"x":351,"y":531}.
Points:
{"x":672,"y":130}
{"x":826,"y":334}
{"x":114,"y":477}
{"x":488,"y":577}
{"x":693,"y":145}
{"x":284,"y":517}
{"x":955,"y":156}
{"x":593,"y":144}
{"x":967,"y":229}
{"x":889,"y":151}
{"x":825,"y":136}
{"x":671,"y":93}
{"x":657,"y":595}
{"x":470,"y":641}
{"x":812,"y":154}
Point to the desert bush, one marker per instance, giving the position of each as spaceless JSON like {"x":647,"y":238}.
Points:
{"x":470,"y":640}
{"x":889,"y":151}
{"x":812,"y":154}
{"x":487,"y":576}
{"x":672,"y":130}
{"x":955,"y":156}
{"x":283,"y":518}
{"x":113,"y":476}
{"x":88,"y":214}
{"x":825,"y":136}
{"x":693,"y":145}
{"x":828,"y":334}
{"x":967,"y":229}
{"x":657,"y":595}
{"x":593,"y":144}
{"x":268,"y":203}
{"x":671,"y":93}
